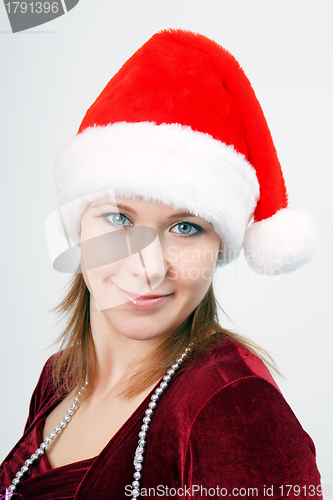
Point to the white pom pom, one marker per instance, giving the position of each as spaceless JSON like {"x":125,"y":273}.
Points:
{"x":281,"y":243}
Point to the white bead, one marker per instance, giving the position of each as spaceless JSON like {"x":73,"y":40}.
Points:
{"x":149,"y":412}
{"x":33,"y":457}
{"x":144,"y":427}
{"x":152,"y":405}
{"x":155,"y":397}
{"x":135,"y":484}
{"x":137,"y":467}
{"x":57,"y":430}
{"x":28,"y":462}
{"x":142,"y":434}
{"x":52,"y":435}
{"x":135,"y":493}
{"x":39,"y":452}
{"x":67,"y":418}
{"x":163,"y":385}
{"x":62,"y":424}
{"x":142,"y":442}
{"x":15,"y":481}
{"x":175,"y":366}
{"x":43,"y":446}
{"x":24,"y":469}
{"x":167,"y":378}
{"x":137,"y":475}
{"x":11,"y":488}
{"x":159,"y":391}
{"x":70,"y":413}
{"x":19,"y":474}
{"x":139,"y":450}
{"x":171,"y":372}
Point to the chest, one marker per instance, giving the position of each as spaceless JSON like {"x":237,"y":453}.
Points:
{"x":91,"y":427}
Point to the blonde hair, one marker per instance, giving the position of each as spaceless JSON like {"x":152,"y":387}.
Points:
{"x":76,"y":361}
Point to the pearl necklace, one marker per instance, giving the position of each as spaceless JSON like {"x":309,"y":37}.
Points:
{"x":42,"y":447}
{"x":139,"y":452}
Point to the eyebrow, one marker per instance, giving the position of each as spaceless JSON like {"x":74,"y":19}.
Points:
{"x":129,"y":209}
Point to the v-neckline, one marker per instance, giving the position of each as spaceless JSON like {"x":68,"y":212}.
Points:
{"x":118,"y":436}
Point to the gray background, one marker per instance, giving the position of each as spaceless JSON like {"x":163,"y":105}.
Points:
{"x":50,"y":76}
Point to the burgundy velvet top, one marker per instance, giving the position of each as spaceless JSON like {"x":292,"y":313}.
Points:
{"x":222,"y":428}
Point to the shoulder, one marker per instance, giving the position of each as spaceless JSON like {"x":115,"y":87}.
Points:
{"x":45,"y":381}
{"x":231,"y":392}
{"x":227,"y":365}
{"x":248,"y":431}
{"x":43,"y":391}
{"x":238,"y":414}
{"x":234,"y":362}
{"x":231,"y":424}
{"x":232,"y":380}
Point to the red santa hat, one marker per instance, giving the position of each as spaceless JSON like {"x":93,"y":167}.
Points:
{"x":180,"y":124}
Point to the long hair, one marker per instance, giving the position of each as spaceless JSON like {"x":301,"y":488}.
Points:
{"x":76,"y":361}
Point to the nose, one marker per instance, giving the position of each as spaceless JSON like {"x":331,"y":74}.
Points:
{"x":147,"y":261}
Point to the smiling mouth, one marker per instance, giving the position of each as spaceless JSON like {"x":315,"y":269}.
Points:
{"x":142,"y":297}
{"x":144,"y":302}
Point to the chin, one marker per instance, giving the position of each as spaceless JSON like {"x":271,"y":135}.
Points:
{"x":135,"y":327}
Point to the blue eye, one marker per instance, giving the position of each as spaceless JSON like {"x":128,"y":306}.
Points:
{"x":116,"y":219}
{"x":187,"y":229}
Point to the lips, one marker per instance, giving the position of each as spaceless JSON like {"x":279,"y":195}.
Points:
{"x":144,"y":302}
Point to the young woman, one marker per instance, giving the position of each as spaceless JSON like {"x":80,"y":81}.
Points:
{"x":172,"y":173}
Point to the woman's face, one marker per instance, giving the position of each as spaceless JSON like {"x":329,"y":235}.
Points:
{"x":146,"y":265}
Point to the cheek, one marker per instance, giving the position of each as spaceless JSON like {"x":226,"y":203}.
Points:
{"x":102,"y":253}
{"x":96,"y":278}
{"x":195,"y":266}
{"x":192,"y":278}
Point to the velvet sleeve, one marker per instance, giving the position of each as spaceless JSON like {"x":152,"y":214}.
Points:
{"x":247,"y":441}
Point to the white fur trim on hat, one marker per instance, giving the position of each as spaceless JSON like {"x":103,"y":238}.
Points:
{"x":169,"y":164}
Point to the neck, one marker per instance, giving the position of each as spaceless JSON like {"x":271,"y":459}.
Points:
{"x":115,"y":353}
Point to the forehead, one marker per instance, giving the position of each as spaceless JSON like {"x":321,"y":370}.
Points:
{"x":139,"y":207}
